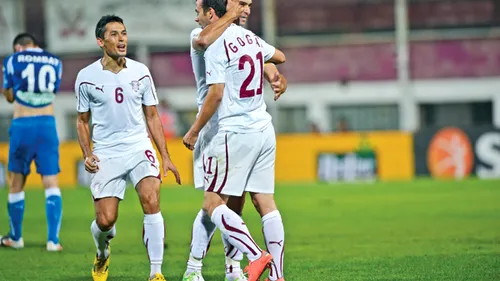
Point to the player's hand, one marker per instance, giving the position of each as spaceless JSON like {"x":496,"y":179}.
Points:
{"x":235,"y":9}
{"x":91,"y":164}
{"x":190,"y":139}
{"x":168,"y":165}
{"x":279,"y":85}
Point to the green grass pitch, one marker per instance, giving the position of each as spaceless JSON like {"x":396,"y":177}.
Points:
{"x":421,"y":230}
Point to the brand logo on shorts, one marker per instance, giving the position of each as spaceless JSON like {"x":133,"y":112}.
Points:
{"x":135,"y":85}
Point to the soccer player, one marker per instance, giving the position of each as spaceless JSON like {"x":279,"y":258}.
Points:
{"x":31,"y":81}
{"x":245,"y":138}
{"x":203,"y":230}
{"x":119,"y":95}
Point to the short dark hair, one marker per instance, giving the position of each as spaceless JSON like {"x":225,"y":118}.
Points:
{"x":219,"y":6}
{"x":100,"y":28}
{"x":24,"y":39}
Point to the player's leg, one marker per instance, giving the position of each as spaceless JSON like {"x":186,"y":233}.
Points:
{"x":235,"y":151}
{"x":261,"y":187}
{"x":47,"y":164}
{"x":203,"y":228}
{"x":108,"y":188}
{"x":53,"y":210}
{"x":145,"y":176}
{"x":103,"y":230}
{"x":233,"y":255}
{"x":201,"y":236}
{"x":21,"y":152}
{"x":15,"y":208}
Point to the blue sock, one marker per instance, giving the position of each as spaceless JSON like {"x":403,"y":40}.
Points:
{"x":16,"y":214}
{"x":53,"y":208}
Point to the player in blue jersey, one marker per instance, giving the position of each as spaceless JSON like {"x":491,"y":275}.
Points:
{"x":31,"y":80}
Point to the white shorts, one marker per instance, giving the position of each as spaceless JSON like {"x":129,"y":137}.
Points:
{"x":204,"y":138}
{"x":111,"y":179}
{"x":235,"y":162}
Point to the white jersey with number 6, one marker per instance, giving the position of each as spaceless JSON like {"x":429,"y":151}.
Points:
{"x":236,"y":59}
{"x":115,"y":102}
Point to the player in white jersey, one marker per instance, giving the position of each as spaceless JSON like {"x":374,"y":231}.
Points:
{"x":119,"y":95}
{"x":245,"y":138}
{"x":203,"y":230}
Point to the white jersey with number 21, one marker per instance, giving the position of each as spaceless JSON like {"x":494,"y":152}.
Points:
{"x":236,"y":59}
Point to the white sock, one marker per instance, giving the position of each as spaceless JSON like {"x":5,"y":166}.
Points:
{"x":233,"y":259}
{"x":233,"y":269}
{"x":102,"y":238}
{"x":153,"y":237}
{"x":202,"y":233}
{"x":236,"y":232}
{"x":232,"y":253}
{"x":274,"y":235}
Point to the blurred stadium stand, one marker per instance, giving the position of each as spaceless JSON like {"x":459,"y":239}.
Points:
{"x":342,"y":52}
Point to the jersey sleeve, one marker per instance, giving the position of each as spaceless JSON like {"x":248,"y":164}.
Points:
{"x":8,"y":72}
{"x":194,"y":34}
{"x":149,"y":96}
{"x":216,"y":62}
{"x":82,"y":95}
{"x":267,"y":50}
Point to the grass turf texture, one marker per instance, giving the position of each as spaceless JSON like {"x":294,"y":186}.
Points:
{"x":422,"y":230}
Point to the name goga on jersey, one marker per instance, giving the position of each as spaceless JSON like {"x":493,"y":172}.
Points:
{"x":34,"y":75}
{"x":237,"y":59}
{"x":115,"y":102}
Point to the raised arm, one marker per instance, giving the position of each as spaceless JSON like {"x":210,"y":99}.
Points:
{"x":213,"y":31}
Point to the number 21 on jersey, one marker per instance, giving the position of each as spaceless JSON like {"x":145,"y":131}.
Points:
{"x":248,"y":60}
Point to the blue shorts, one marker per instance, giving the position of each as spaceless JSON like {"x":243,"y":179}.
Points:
{"x":34,"y":138}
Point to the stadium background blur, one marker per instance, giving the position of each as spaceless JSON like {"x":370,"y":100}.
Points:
{"x":381,"y":74}
{"x":384,"y":97}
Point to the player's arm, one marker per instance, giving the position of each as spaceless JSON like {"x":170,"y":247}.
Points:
{"x":272,"y":54}
{"x":277,"y":58}
{"x":156,"y":129}
{"x":8,"y":71}
{"x":277,"y":81}
{"x":153,"y":123}
{"x":215,"y":64}
{"x":83,"y":130}
{"x":9,"y":95}
{"x":82,"y":125}
{"x":214,"y":30}
{"x":209,"y":107}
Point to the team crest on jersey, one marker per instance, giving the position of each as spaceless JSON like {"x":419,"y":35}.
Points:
{"x":135,"y":85}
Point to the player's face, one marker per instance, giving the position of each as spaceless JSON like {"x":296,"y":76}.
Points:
{"x":201,"y":18}
{"x":115,"y":40}
{"x":247,"y":5}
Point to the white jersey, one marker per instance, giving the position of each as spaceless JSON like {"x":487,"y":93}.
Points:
{"x":115,"y":102}
{"x":236,"y":59}
{"x":198,"y":63}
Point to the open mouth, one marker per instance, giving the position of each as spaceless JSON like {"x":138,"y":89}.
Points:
{"x":122,"y":47}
